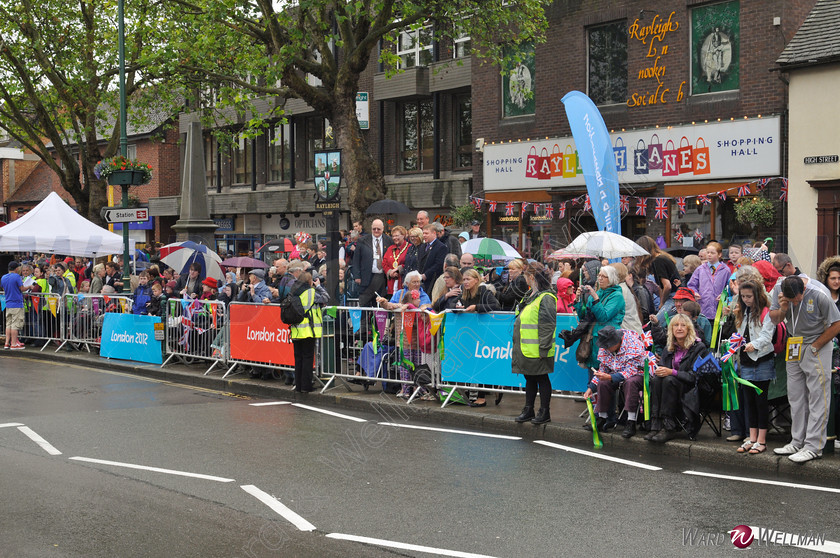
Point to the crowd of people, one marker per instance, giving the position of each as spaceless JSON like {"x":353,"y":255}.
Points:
{"x":640,"y":315}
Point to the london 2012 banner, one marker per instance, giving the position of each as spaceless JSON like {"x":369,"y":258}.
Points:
{"x":597,"y":160}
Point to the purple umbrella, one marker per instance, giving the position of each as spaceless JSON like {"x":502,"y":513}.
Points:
{"x":243,"y":261}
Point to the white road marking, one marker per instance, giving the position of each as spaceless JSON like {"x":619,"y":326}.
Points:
{"x":599,"y":456}
{"x":331,"y":413}
{"x":45,"y":445}
{"x":406,"y":546}
{"x":766,"y":537}
{"x":762,"y":481}
{"x":270,"y":403}
{"x":450,"y":431}
{"x":278,"y":507}
{"x":153,"y":469}
{"x":8,"y":424}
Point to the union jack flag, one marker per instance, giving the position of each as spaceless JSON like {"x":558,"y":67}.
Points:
{"x":624,"y":204}
{"x":492,"y":205}
{"x":698,"y":236}
{"x":722,"y":195}
{"x":477,"y":202}
{"x":647,"y":337}
{"x":191,"y":308}
{"x":549,"y":210}
{"x":587,"y":205}
{"x":762,"y":183}
{"x":679,"y":236}
{"x":735,"y":343}
{"x":744,"y":190}
{"x":681,"y":205}
{"x":784,"y":194}
{"x":509,"y":208}
{"x":650,"y":359}
{"x":641,"y":206}
{"x":661,"y":208}
{"x":525,"y":206}
{"x":562,"y":207}
{"x":704,"y":200}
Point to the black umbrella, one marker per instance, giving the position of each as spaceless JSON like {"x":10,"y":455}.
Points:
{"x":682,"y":251}
{"x":387,"y":206}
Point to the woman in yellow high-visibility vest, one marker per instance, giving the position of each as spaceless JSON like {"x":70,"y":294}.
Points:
{"x":305,"y":335}
{"x":534,"y":334}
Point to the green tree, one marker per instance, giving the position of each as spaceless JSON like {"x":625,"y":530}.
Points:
{"x":250,"y":48}
{"x":58,"y":84}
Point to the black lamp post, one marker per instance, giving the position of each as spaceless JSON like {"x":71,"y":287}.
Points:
{"x":123,"y":140}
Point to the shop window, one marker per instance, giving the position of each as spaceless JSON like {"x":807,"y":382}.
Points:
{"x":414,"y":47}
{"x":242,"y":161}
{"x":699,"y":220}
{"x":607,"y":68}
{"x":279,"y":153}
{"x":211,"y":157}
{"x":319,"y":135}
{"x":463,"y":123}
{"x":715,"y":48}
{"x":417,"y":140}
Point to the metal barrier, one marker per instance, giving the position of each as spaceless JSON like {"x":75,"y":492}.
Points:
{"x":362,"y":345}
{"x":196,"y":330}
{"x":84,"y":315}
{"x":44,"y":320}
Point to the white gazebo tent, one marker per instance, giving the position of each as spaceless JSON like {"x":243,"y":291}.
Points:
{"x":54,"y":227}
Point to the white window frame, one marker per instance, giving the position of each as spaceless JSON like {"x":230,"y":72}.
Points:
{"x":416,"y":47}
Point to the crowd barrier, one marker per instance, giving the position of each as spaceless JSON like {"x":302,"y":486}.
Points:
{"x":196,"y":330}
{"x":462,"y":351}
{"x":375,"y":345}
{"x":82,"y":316}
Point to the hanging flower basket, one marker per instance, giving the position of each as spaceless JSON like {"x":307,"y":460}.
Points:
{"x":122,"y":171}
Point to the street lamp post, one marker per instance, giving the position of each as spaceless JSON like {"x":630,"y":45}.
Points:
{"x":123,"y":140}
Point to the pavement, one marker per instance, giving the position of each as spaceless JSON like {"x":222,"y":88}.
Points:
{"x":565,"y":428}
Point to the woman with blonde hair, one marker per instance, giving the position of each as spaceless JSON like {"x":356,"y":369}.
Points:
{"x":475,"y":297}
{"x":673,"y":385}
{"x":516,"y":286}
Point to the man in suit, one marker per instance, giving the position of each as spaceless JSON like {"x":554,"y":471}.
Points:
{"x":432,"y":255}
{"x":367,"y":263}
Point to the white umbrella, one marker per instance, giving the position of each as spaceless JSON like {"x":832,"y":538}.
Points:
{"x":604,"y":244}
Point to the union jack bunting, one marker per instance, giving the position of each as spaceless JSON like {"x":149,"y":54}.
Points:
{"x":641,"y":206}
{"x":492,"y":205}
{"x":704,"y":200}
{"x":624,"y":204}
{"x":661,"y":208}
{"x":509,"y":208}
{"x":587,"y":205}
{"x":549,"y":210}
{"x":477,"y":202}
{"x":679,"y":236}
{"x":698,"y":236}
{"x":762,"y":183}
{"x":722,"y":195}
{"x":744,"y":190}
{"x":525,"y":206}
{"x":784,"y":195}
{"x":562,"y":207}
{"x":681,"y":205}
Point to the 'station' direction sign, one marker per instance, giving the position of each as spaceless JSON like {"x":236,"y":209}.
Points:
{"x":126,"y":215}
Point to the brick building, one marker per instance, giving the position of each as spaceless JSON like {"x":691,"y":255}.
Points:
{"x":686,"y":92}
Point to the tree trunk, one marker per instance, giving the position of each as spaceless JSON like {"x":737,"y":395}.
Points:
{"x":360,"y":172}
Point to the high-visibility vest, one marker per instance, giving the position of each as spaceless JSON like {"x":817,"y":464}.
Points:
{"x":312,"y":321}
{"x":529,"y":341}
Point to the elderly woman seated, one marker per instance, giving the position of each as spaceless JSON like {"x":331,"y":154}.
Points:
{"x":621,"y":354}
{"x":673,"y":386}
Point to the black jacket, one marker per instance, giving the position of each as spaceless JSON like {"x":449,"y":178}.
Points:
{"x":688,"y":380}
{"x":513,"y":292}
{"x":484,"y":300}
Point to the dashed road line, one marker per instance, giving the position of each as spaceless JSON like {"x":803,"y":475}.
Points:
{"x":279,"y":507}
{"x":45,"y":445}
{"x":762,"y":481}
{"x":451,"y":431}
{"x":406,"y":546}
{"x":152,"y":469}
{"x":331,"y":413}
{"x":599,"y":456}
